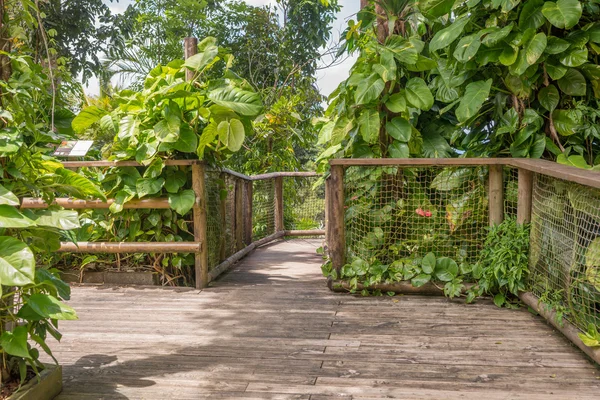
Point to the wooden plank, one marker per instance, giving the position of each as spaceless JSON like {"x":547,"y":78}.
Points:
{"x":422,"y":162}
{"x":130,"y":247}
{"x":282,"y":174}
{"x":190,"y":48}
{"x":223,"y":220}
{"x":199,"y":215}
{"x":496,"y":195}
{"x":278,"y":185}
{"x":336,"y":222}
{"x":566,"y":172}
{"x":104,"y":163}
{"x":306,"y":232}
{"x":156,"y":203}
{"x":524,"y":196}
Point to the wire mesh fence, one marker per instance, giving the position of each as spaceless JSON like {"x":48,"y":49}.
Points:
{"x":565,"y":249}
{"x":406,"y":212}
{"x":223,"y":193}
{"x":263,"y":208}
{"x":511,"y":191}
{"x":304,"y":203}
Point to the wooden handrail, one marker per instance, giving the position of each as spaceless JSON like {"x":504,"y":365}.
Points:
{"x":550,"y":168}
{"x":69,"y":203}
{"x":130,"y":247}
{"x":127,"y":163}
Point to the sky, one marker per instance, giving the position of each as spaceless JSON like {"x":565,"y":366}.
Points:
{"x":327,"y":78}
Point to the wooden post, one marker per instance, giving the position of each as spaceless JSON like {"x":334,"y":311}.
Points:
{"x":190,"y":48}
{"x":199,"y":212}
{"x":248,"y":189}
{"x":279,"y":225}
{"x":496,"y":195}
{"x":336,"y":229}
{"x":239,"y":215}
{"x":327,"y":224}
{"x":525,"y":192}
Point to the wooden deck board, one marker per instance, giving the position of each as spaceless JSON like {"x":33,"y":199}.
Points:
{"x":271,"y":329}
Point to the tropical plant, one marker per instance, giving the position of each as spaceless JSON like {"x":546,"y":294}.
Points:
{"x":32,"y":119}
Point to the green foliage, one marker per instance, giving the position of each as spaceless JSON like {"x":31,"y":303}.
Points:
{"x":486,"y":78}
{"x":503,"y":266}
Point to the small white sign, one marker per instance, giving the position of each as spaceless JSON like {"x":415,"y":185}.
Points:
{"x":73,"y":148}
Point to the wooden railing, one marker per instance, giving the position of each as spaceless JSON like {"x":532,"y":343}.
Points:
{"x":241,"y":224}
{"x":541,"y":184}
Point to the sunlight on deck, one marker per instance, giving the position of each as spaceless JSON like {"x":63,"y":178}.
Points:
{"x":271,"y":329}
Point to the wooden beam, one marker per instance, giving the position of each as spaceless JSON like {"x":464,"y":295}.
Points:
{"x":157,"y":203}
{"x":130,"y":247}
{"x":190,"y":47}
{"x":279,"y":224}
{"x":402,"y":287}
{"x":223,"y":218}
{"x":283,"y":175}
{"x":336,"y":224}
{"x":550,"y":168}
{"x":199,"y":213}
{"x":307,"y":232}
{"x":411,"y":162}
{"x":524,"y":196}
{"x":248,"y":196}
{"x":565,"y":327}
{"x":496,"y":195}
{"x":80,"y":164}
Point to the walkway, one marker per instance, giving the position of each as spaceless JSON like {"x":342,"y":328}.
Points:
{"x":272,"y":330}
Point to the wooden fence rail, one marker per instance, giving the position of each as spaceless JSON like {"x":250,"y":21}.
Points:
{"x":242,"y":218}
{"x":528,"y":171}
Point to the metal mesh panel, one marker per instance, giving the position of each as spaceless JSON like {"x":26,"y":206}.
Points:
{"x":399,"y":212}
{"x":221,"y":216}
{"x":511,"y":191}
{"x":565,"y":248}
{"x":263,"y":208}
{"x":304,"y":204}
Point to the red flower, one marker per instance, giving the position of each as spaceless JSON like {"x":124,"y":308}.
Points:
{"x":423,"y":213}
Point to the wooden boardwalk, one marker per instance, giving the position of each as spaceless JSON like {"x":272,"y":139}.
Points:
{"x":271,"y":329}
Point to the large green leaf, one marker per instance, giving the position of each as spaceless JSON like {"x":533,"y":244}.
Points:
{"x":72,"y":183}
{"x":50,"y":307}
{"x":15,"y":342}
{"x":146,"y":186}
{"x":467,"y":48}
{"x":198,"y":61}
{"x":495,"y":36}
{"x":549,"y":97}
{"x":183,"y":201}
{"x":386,"y":67}
{"x":231,"y":134}
{"x":129,"y":126}
{"x":188,"y":140}
{"x":10,"y":217}
{"x":418,"y":94}
{"x":531,"y":15}
{"x":555,"y":71}
{"x":564,"y":122}
{"x":556,"y":45}
{"x":396,"y":103}
{"x":87,"y":117}
{"x":17,"y":262}
{"x":399,"y":150}
{"x":572,"y":83}
{"x":446,"y":269}
{"x":167,"y":129}
{"x":369,"y":124}
{"x":535,"y":47}
{"x":564,"y":14}
{"x":209,"y":134}
{"x":451,"y":179}
{"x":7,"y":197}
{"x":435,"y":8}
{"x":446,"y":36}
{"x":241,"y":101}
{"x":592,"y":262}
{"x":574,"y":57}
{"x":369,"y":89}
{"x":60,"y":219}
{"x":174,"y":181}
{"x":404,"y":50}
{"x":428,"y":263}
{"x":475,"y":95}
{"x":435,"y":146}
{"x":399,"y":128}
